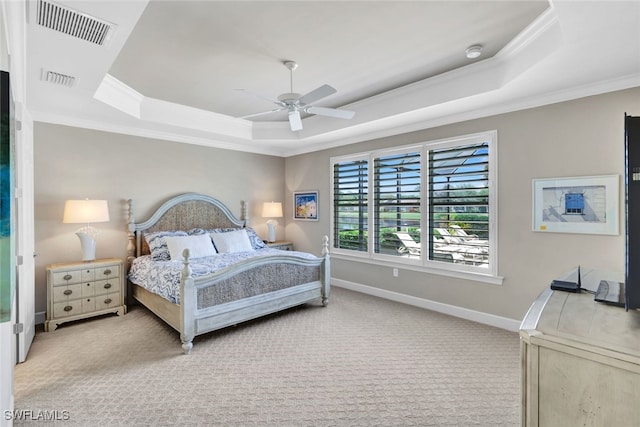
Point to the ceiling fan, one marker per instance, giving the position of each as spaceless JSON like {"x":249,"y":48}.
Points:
{"x":294,"y":103}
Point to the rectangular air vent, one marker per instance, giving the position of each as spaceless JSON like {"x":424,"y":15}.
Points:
{"x":74,"y":23}
{"x":57,"y":78}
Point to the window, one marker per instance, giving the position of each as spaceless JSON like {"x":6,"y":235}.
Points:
{"x":459,"y":204}
{"x":350,"y":196}
{"x":432,"y":204}
{"x":396,"y":202}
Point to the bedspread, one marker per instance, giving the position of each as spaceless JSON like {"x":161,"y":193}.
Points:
{"x":163,"y":277}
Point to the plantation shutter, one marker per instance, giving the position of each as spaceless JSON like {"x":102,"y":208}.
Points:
{"x":350,"y":201}
{"x":396,"y":200}
{"x":459,"y":204}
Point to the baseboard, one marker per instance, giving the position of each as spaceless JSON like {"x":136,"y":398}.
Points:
{"x":464,"y":313}
{"x":41,"y":317}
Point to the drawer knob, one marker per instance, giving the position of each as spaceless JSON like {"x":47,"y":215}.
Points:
{"x":107,"y":272}
{"x":107,"y":301}
{"x":68,"y":292}
{"x":67,"y":277}
{"x":107,"y":285}
{"x":68,"y":308}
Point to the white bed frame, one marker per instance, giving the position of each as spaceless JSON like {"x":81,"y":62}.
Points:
{"x":193,"y":210}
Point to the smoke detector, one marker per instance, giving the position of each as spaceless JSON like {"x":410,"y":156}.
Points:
{"x":474,"y":51}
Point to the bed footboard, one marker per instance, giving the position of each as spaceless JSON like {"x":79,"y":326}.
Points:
{"x":199,"y":314}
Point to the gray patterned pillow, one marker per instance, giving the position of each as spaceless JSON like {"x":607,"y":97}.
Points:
{"x":158,"y":246}
{"x":255,"y":240}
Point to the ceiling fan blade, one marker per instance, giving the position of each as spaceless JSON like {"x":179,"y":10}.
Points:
{"x":262,"y":113}
{"x":331,"y":112}
{"x":317,"y":94}
{"x":294,"y":120}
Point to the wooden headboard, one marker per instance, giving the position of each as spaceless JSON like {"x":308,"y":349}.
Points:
{"x":183,"y":212}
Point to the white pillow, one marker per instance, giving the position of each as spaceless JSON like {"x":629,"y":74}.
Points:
{"x":199,"y":246}
{"x":232,"y":241}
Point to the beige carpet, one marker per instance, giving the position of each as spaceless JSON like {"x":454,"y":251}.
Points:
{"x":361,"y":361}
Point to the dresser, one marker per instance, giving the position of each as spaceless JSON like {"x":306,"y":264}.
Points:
{"x":580,"y":359}
{"x":281,"y":244}
{"x":78,"y":290}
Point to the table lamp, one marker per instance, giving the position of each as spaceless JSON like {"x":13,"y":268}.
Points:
{"x":86,"y":212}
{"x":272,"y":210}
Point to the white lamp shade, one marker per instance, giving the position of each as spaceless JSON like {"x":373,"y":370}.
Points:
{"x":272,"y":210}
{"x":85,"y":211}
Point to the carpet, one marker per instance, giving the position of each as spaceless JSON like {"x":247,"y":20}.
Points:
{"x":361,"y":361}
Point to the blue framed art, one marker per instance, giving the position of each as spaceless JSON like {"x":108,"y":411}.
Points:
{"x":305,"y":205}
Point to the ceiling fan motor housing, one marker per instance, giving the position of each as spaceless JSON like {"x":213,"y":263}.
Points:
{"x":289,"y":98}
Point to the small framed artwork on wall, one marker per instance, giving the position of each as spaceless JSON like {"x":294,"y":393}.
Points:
{"x":586,"y":205}
{"x":305,"y":205}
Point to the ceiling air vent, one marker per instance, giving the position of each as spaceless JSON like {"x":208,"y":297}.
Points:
{"x":73,"y":23}
{"x":57,"y":78}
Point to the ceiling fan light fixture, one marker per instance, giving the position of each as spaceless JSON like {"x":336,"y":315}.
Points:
{"x":474,"y":51}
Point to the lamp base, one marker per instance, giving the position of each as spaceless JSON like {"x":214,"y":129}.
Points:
{"x":271,"y":225}
{"x":88,"y":243}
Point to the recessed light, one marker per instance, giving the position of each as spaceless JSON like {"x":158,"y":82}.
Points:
{"x":474,"y":51}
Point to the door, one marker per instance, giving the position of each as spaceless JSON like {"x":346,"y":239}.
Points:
{"x":25,"y":268}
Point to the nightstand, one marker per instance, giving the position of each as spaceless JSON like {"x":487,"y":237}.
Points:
{"x":77,"y":290}
{"x":281,"y":244}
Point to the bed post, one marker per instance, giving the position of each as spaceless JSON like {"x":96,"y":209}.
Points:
{"x":131,"y":247}
{"x":326,"y":272}
{"x":187,"y":305}
{"x":244,"y":212}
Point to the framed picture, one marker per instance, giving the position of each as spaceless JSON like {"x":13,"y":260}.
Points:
{"x":305,"y":205}
{"x":586,"y":205}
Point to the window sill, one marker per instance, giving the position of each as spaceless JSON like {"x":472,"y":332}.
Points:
{"x":467,"y":275}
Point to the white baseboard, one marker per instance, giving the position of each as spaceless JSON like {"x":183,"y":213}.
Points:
{"x":41,"y":317}
{"x":464,"y":313}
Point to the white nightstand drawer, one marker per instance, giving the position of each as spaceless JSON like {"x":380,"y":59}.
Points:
{"x":66,"y":293}
{"x":110,"y":272}
{"x":108,"y":300}
{"x":88,"y":305}
{"x":67,"y":277}
{"x":88,"y":289}
{"x":106,"y":286}
{"x":88,"y":275}
{"x":67,"y":308}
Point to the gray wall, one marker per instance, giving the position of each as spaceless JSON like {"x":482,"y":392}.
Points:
{"x":577,"y":138}
{"x":74,"y":163}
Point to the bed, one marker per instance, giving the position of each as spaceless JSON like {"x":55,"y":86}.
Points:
{"x":196,"y":291}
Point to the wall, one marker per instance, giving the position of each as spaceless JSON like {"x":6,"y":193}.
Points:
{"x":74,"y":163}
{"x":576,"y":138}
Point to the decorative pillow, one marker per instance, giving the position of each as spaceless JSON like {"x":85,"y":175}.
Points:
{"x":199,"y":246}
{"x":196,"y":231}
{"x":256,"y":241}
{"x":232,"y":241}
{"x":158,"y":246}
